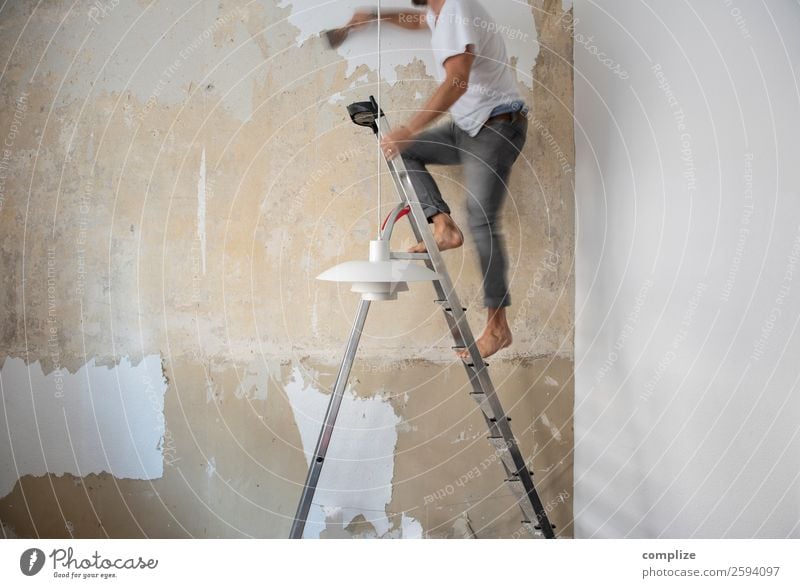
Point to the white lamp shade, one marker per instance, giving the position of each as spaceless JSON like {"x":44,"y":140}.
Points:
{"x":394,"y":270}
{"x":381,"y":278}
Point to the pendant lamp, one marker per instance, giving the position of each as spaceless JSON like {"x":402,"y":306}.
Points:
{"x":386,"y":273}
{"x":380,"y":278}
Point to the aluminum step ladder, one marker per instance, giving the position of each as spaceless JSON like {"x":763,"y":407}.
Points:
{"x":518,"y":475}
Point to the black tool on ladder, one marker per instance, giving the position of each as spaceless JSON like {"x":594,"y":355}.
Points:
{"x":518,"y":476}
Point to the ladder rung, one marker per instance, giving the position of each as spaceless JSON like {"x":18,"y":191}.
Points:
{"x":537,"y":526}
{"x":470,"y":363}
{"x":401,"y":255}
{"x":447,"y":307}
{"x":515,"y":476}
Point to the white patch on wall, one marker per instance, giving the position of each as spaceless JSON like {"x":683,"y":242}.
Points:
{"x":201,"y":209}
{"x":553,"y":429}
{"x":336,"y":98}
{"x":254,"y":382}
{"x":412,"y":528}
{"x":400,"y":47}
{"x":358,"y":472}
{"x":99,"y":419}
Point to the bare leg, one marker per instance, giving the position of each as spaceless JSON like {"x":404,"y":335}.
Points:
{"x":446,"y":233}
{"x":496,"y":335}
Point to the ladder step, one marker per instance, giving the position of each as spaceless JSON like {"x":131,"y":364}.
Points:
{"x":535,"y":526}
{"x":515,"y":477}
{"x":471,"y":364}
{"x":447,"y":307}
{"x":402,"y":255}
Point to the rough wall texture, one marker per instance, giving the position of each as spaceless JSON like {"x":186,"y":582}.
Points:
{"x":173,"y":178}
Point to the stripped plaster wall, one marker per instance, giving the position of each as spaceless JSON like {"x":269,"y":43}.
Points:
{"x":174,"y":175}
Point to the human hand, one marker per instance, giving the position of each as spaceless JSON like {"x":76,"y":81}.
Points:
{"x":393,"y":143}
{"x":361,"y":18}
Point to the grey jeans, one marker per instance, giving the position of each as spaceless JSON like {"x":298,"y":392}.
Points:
{"x":486,"y":159}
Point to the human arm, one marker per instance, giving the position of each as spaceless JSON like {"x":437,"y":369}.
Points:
{"x":455,"y":85}
{"x":406,"y":19}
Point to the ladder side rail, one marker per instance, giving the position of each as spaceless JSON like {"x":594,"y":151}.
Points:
{"x":324,"y":439}
{"x":461,"y":331}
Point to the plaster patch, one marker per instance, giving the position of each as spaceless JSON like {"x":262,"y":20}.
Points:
{"x":553,"y":429}
{"x":253,"y":384}
{"x":462,"y":528}
{"x":401,"y":47}
{"x":201,"y":209}
{"x":358,"y":472}
{"x":412,"y":528}
{"x":99,"y":419}
{"x":211,"y":389}
{"x":211,"y":467}
{"x":336,"y":98}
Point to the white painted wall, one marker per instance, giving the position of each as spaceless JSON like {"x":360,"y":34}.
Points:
{"x":357,"y":479}
{"x":99,"y":419}
{"x":688,"y":269}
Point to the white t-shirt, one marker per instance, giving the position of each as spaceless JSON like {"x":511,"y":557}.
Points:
{"x":491,"y":80}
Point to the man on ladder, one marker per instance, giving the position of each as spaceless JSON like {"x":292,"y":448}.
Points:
{"x":486,"y":134}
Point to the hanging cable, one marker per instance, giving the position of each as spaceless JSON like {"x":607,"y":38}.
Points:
{"x":378,"y":120}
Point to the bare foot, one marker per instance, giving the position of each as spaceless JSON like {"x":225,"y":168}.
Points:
{"x":489,"y":343}
{"x":446,"y":233}
{"x":496,"y":335}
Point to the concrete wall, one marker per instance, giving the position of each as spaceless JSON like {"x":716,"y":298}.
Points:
{"x":174,"y":176}
{"x":687,"y":187}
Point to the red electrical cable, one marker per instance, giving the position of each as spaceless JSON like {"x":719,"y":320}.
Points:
{"x":400,"y":215}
